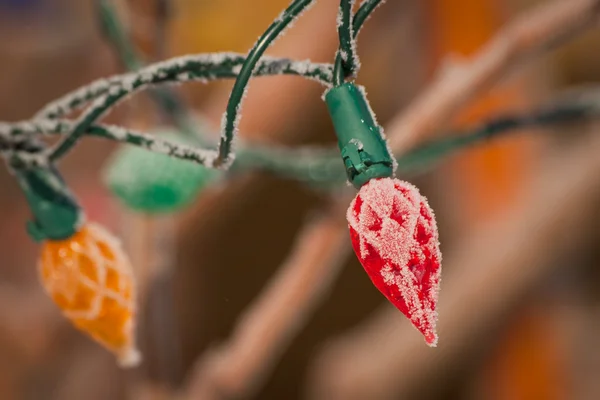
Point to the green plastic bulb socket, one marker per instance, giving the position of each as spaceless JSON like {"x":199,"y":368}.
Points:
{"x":56,"y":214}
{"x":363,"y":149}
{"x":155,"y":183}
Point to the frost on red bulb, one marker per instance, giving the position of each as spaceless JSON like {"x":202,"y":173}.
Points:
{"x":394,"y":234}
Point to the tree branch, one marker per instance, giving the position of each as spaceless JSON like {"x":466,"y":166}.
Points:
{"x":235,"y":368}
{"x":460,"y":82}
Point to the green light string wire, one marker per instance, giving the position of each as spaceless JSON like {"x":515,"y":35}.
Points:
{"x":314,"y":166}
{"x":364,"y":12}
{"x":205,"y":67}
{"x":232,"y":114}
{"x":164,"y":10}
{"x":307,"y":164}
{"x":169,"y":102}
{"x":347,"y":51}
{"x":199,"y":67}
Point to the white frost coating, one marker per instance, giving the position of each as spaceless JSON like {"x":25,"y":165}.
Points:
{"x":61,"y":106}
{"x":34,"y":159}
{"x":387,"y":143}
{"x":359,"y":145}
{"x":339,"y":18}
{"x":238,"y":109}
{"x":74,"y":100}
{"x":395,"y":242}
{"x":343,"y":53}
{"x":157,"y":145}
{"x":293,"y":21}
{"x":371,"y":14}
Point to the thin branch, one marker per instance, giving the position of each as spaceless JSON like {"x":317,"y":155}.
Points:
{"x":488,"y":272}
{"x":460,"y":82}
{"x":236,"y":368}
{"x":519,"y":39}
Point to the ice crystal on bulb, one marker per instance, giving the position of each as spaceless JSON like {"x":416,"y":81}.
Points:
{"x":394,"y":234}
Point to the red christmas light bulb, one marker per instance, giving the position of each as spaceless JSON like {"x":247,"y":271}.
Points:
{"x":395,"y":237}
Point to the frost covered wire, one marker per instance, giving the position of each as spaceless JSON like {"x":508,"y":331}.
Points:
{"x":347,"y":49}
{"x":115,"y":34}
{"x":232,"y":115}
{"x":318,"y":167}
{"x":364,"y":12}
{"x":198,"y":67}
{"x":16,"y":137}
{"x":313,"y":165}
{"x":203,"y":67}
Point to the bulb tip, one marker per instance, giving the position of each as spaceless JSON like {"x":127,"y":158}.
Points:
{"x":129,"y":358}
{"x":431,"y":338}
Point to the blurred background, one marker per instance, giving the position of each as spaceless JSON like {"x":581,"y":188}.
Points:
{"x":520,"y":245}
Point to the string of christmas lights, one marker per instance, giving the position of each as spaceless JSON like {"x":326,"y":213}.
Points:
{"x":392,"y":228}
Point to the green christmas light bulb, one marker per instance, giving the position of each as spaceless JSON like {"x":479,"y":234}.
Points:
{"x":155,"y":183}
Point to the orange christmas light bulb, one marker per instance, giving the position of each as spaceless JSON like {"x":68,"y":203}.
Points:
{"x":90,"y":279}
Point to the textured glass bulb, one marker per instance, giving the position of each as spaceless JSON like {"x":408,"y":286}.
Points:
{"x":91,"y":281}
{"x":395,"y":237}
{"x":155,"y":183}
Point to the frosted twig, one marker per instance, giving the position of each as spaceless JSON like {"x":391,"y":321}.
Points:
{"x":236,"y":368}
{"x":488,"y":272}
{"x":460,"y":82}
{"x":316,"y":165}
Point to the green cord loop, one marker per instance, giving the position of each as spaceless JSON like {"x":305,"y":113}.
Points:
{"x":364,"y":11}
{"x":231,"y":117}
{"x":167,"y":100}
